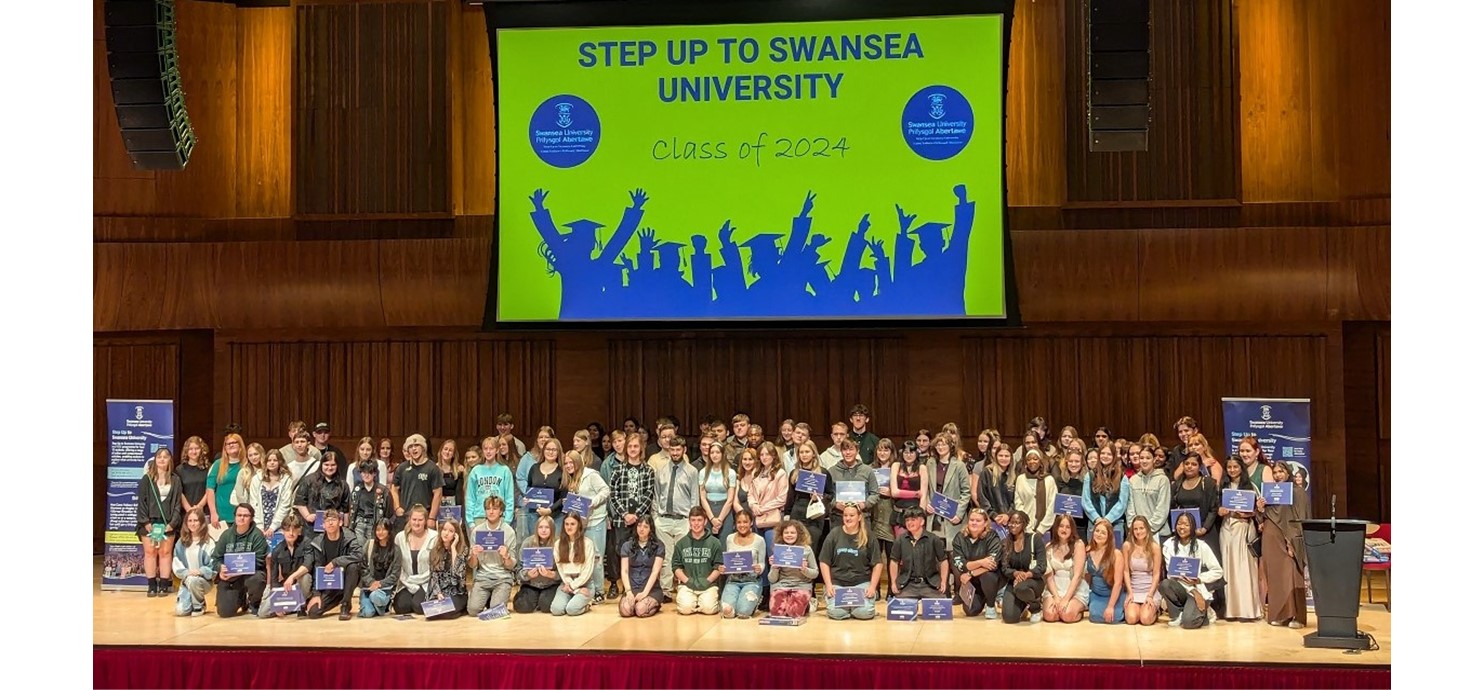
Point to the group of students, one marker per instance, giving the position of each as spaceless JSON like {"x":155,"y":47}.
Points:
{"x":649,"y":523}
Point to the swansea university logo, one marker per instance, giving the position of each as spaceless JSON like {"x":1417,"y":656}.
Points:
{"x":1266,"y":412}
{"x":936,"y":111}
{"x":139,"y":411}
{"x":565,"y":115}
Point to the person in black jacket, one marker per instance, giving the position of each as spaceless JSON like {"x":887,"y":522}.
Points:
{"x":159,"y":515}
{"x":335,"y":549}
{"x":379,"y":570}
{"x":290,"y":565}
{"x":975,"y":557}
{"x":321,"y":491}
{"x":996,"y":485}
{"x":1023,"y":566}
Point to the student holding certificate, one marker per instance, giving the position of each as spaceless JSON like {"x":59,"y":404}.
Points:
{"x":493,"y":570}
{"x":547,"y":474}
{"x":849,"y":470}
{"x":1193,"y":490}
{"x":448,"y":569}
{"x":1070,"y":477}
{"x":1143,"y":571}
{"x":770,"y":488}
{"x":1066,"y":594}
{"x":193,"y":563}
{"x":1283,"y":555}
{"x":946,"y":475}
{"x":320,"y":491}
{"x":290,"y":567}
{"x":575,"y":556}
{"x":1187,"y":598}
{"x":580,"y":479}
{"x":849,"y":559}
{"x":335,"y":549}
{"x":1239,"y":529}
{"x":378,"y":571}
{"x":742,"y":593}
{"x":1022,"y":566}
{"x":697,"y":566}
{"x":801,"y":500}
{"x":975,"y":561}
{"x":919,"y":564}
{"x":640,"y":560}
{"x":159,"y":515}
{"x":791,"y":587}
{"x":240,"y":592}
{"x":1034,"y":492}
{"x":1107,"y":491}
{"x":539,"y":583}
{"x":415,"y":545}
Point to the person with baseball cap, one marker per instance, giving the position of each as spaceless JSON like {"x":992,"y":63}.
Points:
{"x":418,"y":481}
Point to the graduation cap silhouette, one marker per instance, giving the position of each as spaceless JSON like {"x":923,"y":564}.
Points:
{"x":933,"y":232}
{"x":583,"y":225}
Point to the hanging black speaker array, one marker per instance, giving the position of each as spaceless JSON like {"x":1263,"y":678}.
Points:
{"x":141,"y":52}
{"x":1118,"y":91}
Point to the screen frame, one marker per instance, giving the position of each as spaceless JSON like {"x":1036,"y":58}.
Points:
{"x":535,"y":14}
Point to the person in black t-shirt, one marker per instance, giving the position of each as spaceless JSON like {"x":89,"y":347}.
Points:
{"x":418,"y":481}
{"x":334,"y":550}
{"x":918,"y":562}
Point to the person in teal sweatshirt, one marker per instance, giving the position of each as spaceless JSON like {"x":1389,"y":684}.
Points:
{"x":491,"y":478}
{"x":697,"y":567}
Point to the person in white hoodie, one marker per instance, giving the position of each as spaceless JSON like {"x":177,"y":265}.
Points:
{"x":300,"y":456}
{"x":192,"y":560}
{"x":415,"y":543}
{"x":271,"y":489}
{"x":1188,"y":600}
{"x":580,"y":479}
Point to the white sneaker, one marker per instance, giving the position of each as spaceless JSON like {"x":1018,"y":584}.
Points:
{"x":1175,"y":621}
{"x":990,"y":613}
{"x":1036,"y":617}
{"x":199,"y":611}
{"x":1211,"y":616}
{"x":1295,"y":625}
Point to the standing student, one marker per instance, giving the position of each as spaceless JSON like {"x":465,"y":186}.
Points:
{"x":527,"y":515}
{"x":1066,"y":594}
{"x":584,"y":445}
{"x":1105,"y":570}
{"x":1283,"y":554}
{"x":489,"y":478}
{"x":417,"y":482}
{"x":300,"y":456}
{"x":335,"y":549}
{"x":448,"y":568}
{"x":192,"y":474}
{"x":697,"y":566}
{"x":321,"y":438}
{"x":453,"y":473}
{"x":1193,"y":490}
{"x":769,"y":491}
{"x":861,"y":435}
{"x":849,"y":559}
{"x":415,"y":545}
{"x":387,"y":461}
{"x":321,"y":491}
{"x":975,"y":560}
{"x":742,"y":592}
{"x":547,"y":473}
{"x":675,"y":496}
{"x":747,"y":465}
{"x":582,"y":480}
{"x":800,"y":434}
{"x":1022,"y":566}
{"x":1106,"y":492}
{"x":801,"y":501}
{"x":369,"y":503}
{"x":240,"y":593}
{"x":716,"y":481}
{"x":919,"y":563}
{"x":996,"y":485}
{"x":290,"y":566}
{"x":540,"y":583}
{"x":253,"y":464}
{"x":1188,"y":599}
{"x":1070,"y":477}
{"x":221,"y":480}
{"x":364,"y":450}
{"x":505,"y":425}
{"x":832,"y":455}
{"x":1254,"y":463}
{"x":193,"y":562}
{"x":159,"y":516}
{"x":1034,"y":492}
{"x":923,"y":439}
{"x":787,"y":429}
{"x":1243,"y":593}
{"x":946,"y":475}
{"x":575,"y":556}
{"x":630,"y":497}
{"x":272,"y":490}
{"x":1142,"y":572}
{"x":613,"y":455}
{"x":378,"y":571}
{"x":851,"y":469}
{"x":1211,"y":467}
{"x":791,"y":587}
{"x":1150,"y":492}
{"x":493,"y":570}
{"x":882,"y":512}
{"x":641,"y":558}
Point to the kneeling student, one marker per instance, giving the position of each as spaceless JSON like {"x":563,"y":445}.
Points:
{"x":697,"y":566}
{"x":335,"y":549}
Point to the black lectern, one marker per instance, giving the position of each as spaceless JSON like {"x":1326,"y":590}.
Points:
{"x":1335,"y":563}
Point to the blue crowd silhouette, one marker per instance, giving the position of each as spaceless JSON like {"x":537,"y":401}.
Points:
{"x":785,"y":275}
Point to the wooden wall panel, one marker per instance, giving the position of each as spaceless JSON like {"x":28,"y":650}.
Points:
{"x":372,"y":109}
{"x":1234,"y":275}
{"x":473,"y":104}
{"x":1035,"y":111}
{"x":434,"y":282}
{"x":1193,"y":145}
{"x":264,"y":184}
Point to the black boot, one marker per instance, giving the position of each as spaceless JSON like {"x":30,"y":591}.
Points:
{"x":152,"y":585}
{"x":165,"y":586}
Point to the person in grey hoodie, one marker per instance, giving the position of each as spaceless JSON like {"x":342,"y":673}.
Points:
{"x":493,"y":570}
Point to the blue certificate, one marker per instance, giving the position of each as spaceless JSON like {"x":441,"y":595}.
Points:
{"x":738,"y":562}
{"x":285,"y":602}
{"x":494,"y":613}
{"x":245,"y":563}
{"x":1278,"y":493}
{"x":899,"y":609}
{"x":787,"y":556}
{"x":489,"y":539}
{"x":1185,"y":566}
{"x":437,"y":607}
{"x":851,"y":492}
{"x":810,"y":482}
{"x":577,"y":504}
{"x":276,"y":540}
{"x":1239,"y":500}
{"x":1195,"y":515}
{"x":944,"y":507}
{"x":319,"y":520}
{"x":937,"y":609}
{"x":884,"y":477}
{"x":541,"y":557}
{"x":324,"y":580}
{"x":538,"y":497}
{"x":1000,"y":530}
{"x":1068,"y":504}
{"x":848,"y":597}
{"x":445,"y":513}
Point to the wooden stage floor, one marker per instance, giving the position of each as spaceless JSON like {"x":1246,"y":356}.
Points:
{"x":130,"y":619}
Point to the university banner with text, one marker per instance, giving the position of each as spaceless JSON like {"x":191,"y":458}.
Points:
{"x":136,"y":429}
{"x":1282,"y":426}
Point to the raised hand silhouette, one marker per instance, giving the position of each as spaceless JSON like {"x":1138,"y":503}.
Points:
{"x":646,"y":240}
{"x":806,"y":205}
{"x":865,"y":224}
{"x":878,"y":253}
{"x":725,"y":232}
{"x":904,"y":220}
{"x":538,"y":197}
{"x":639,"y":196}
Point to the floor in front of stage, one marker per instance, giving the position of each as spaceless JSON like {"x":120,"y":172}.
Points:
{"x":130,"y":619}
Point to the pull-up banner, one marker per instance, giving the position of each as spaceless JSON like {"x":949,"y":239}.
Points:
{"x":136,"y":429}
{"x":1282,"y":426}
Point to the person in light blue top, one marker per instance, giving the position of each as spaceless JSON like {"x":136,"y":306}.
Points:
{"x":717,"y":480}
{"x":490,"y":478}
{"x":1106,"y":493}
{"x":192,"y":560}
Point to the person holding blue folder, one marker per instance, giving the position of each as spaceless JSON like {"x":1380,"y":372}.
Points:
{"x":335,"y":549}
{"x":947,"y":475}
{"x":849,"y":559}
{"x":791,"y":587}
{"x":1238,"y":533}
{"x":1284,"y":555}
{"x":975,"y":560}
{"x":240,"y":592}
{"x":1188,"y":598}
{"x":742,"y":592}
{"x":415,"y":544}
{"x":493,"y":570}
{"x":290,"y":566}
{"x":801,"y":500}
{"x":448,"y":569}
{"x":539,"y":584}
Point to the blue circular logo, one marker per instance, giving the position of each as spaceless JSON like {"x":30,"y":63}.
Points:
{"x":937,"y":122}
{"x":564,"y":131}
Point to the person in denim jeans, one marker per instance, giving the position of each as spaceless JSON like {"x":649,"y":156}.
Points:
{"x":377,"y":577}
{"x":849,"y":559}
{"x":192,"y":560}
{"x":742,"y":591}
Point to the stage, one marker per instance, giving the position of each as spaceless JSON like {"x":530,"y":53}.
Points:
{"x":137,"y":643}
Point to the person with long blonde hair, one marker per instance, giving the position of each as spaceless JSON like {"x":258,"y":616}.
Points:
{"x":489,"y":478}
{"x":222,"y":479}
{"x":1143,"y":567}
{"x":580,"y":479}
{"x":364,"y":450}
{"x":448,"y":567}
{"x":996,"y":486}
{"x":271,"y":489}
{"x":192,"y":474}
{"x":717,"y":479}
{"x":453,"y":473}
{"x":849,"y":559}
